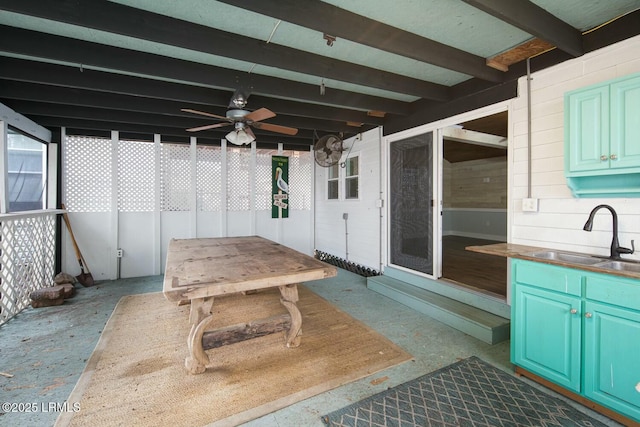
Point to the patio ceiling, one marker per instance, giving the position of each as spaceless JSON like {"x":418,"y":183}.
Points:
{"x":334,"y":66}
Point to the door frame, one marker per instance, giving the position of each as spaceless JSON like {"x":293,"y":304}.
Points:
{"x":437,"y":129}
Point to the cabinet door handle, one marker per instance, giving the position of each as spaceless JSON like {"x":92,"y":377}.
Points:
{"x":573,"y":311}
{"x":588,"y":315}
{"x":604,"y":158}
{"x":613,"y":157}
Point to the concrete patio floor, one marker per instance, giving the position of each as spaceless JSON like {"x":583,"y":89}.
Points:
{"x":45,"y":350}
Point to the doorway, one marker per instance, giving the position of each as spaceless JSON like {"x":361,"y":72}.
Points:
{"x":411,"y":207}
{"x":474,"y":203}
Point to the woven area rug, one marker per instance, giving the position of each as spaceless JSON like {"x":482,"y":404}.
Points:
{"x":136,"y":375}
{"x":467,"y":393}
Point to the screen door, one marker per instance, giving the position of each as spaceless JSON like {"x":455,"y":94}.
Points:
{"x":411,"y":207}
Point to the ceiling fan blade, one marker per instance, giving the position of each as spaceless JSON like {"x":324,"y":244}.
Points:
{"x":275,"y":128}
{"x":202,"y":113}
{"x":250,"y":132}
{"x":217,"y":125}
{"x":261,"y":114}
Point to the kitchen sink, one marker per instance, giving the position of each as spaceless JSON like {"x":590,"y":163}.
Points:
{"x":620,"y":266}
{"x":579,"y":259}
{"x":568,"y":257}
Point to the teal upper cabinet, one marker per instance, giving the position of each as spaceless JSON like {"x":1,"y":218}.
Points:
{"x":602,"y":139}
{"x":624,"y":145}
{"x":588,"y":129}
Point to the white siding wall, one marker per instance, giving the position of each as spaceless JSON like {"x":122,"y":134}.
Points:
{"x":560,"y":218}
{"x":363,"y":224}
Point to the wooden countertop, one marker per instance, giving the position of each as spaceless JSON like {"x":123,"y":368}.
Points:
{"x":510,"y":250}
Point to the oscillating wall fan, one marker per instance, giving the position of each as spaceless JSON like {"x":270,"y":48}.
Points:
{"x":328,"y":150}
{"x":242,"y":120}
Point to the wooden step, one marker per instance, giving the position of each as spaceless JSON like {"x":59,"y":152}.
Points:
{"x":473,"y":321}
{"x":489,"y":303}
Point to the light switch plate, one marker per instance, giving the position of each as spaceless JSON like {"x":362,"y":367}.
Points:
{"x":529,"y":205}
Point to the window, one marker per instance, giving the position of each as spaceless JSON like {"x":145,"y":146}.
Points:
{"x":333,"y":180}
{"x":343,"y":180}
{"x":27,"y":172}
{"x":351,"y":178}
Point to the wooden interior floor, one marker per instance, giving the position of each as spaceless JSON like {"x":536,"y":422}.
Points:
{"x":483,"y":272}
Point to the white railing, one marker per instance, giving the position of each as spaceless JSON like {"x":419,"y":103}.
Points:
{"x":27,"y":258}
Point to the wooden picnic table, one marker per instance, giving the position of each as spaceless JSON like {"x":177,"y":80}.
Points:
{"x":197,"y":270}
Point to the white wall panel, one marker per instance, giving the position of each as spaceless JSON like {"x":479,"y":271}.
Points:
{"x":135,"y":236}
{"x":239,"y":223}
{"x":92,"y":231}
{"x":173,"y":225}
{"x":295,"y":231}
{"x":559,"y":221}
{"x":363,"y":223}
{"x":208,"y":224}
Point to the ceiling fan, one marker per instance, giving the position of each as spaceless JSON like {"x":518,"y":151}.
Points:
{"x":242,"y":120}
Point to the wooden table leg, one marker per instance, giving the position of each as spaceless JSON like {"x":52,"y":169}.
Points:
{"x":288,"y":298}
{"x":200,"y":318}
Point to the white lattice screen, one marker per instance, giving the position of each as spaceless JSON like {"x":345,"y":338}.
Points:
{"x":136,"y":176}
{"x":175,"y":178}
{"x":209,"y":178}
{"x":238,"y":184}
{"x":263,"y":179}
{"x":88,"y":177}
{"x":27,"y":259}
{"x":87,"y":168}
{"x":300,"y":179}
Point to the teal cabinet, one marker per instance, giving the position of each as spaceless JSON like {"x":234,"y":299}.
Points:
{"x":549,"y":325}
{"x":579,"y":330}
{"x":612,"y":346}
{"x":602,"y":149}
{"x":624,"y":145}
{"x":587,"y":114}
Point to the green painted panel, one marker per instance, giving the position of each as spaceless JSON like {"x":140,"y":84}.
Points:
{"x":612,"y":349}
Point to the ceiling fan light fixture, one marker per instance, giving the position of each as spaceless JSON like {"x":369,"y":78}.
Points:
{"x":239,"y":137}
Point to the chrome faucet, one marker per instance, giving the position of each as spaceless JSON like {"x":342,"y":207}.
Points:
{"x":616,"y":249}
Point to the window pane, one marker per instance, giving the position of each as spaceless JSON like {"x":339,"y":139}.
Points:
{"x":26,"y":172}
{"x":332,"y":187}
{"x":351,"y":188}
{"x":352,"y":166}
{"x":333,"y":171}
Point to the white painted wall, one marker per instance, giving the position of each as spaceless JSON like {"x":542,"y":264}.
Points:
{"x":363,"y":223}
{"x":559,"y":221}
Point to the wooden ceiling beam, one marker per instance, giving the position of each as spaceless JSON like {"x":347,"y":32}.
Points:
{"x":329,"y":19}
{"x":105,"y":126}
{"x":124,"y":118}
{"x":133,"y":22}
{"x":196,"y":97}
{"x":534,"y":20}
{"x":81,"y":53}
{"x":52,"y":96}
